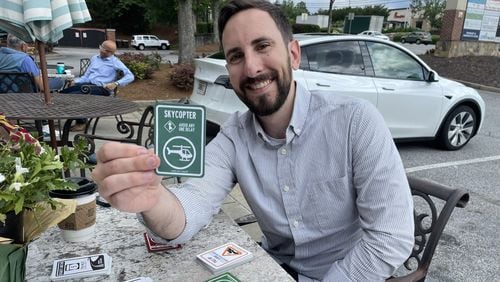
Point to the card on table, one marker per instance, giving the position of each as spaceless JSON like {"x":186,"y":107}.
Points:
{"x":153,"y":246}
{"x":224,"y":257}
{"x":79,"y":267}
{"x":224,"y":277}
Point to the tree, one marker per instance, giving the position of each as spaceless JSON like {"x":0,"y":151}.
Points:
{"x":186,"y":27}
{"x":431,"y":10}
{"x":291,"y":10}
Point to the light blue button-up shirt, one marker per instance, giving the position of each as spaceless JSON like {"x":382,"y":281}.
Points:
{"x":103,"y":70}
{"x":332,"y":200}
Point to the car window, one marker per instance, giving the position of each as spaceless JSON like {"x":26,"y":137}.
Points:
{"x":334,"y":57}
{"x":154,"y":38}
{"x":390,"y":62}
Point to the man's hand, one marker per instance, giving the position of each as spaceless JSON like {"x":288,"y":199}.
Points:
{"x":110,"y":86}
{"x":126,"y":177}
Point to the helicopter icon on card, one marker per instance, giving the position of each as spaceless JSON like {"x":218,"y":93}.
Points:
{"x":183,"y":152}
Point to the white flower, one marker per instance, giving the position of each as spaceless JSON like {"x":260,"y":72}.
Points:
{"x":2,"y":178}
{"x":16,"y":186}
{"x":19,"y":168}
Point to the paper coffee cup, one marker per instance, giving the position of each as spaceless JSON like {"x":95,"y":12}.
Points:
{"x":80,"y":225}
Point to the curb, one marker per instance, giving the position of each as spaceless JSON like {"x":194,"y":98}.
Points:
{"x":479,"y":86}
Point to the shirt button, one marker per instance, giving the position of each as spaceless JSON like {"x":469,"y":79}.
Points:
{"x":283,"y":151}
{"x":296,"y":223}
{"x":286,"y":188}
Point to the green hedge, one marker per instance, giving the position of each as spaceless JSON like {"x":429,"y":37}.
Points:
{"x":142,"y":66}
{"x":302,"y":28}
{"x":204,"y":27}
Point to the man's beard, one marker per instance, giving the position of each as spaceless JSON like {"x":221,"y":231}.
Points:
{"x":263,"y":106}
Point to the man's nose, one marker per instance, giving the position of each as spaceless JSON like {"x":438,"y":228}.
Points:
{"x":253,"y":64}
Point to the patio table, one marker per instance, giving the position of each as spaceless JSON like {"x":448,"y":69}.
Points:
{"x":31,"y":106}
{"x":120,"y":235}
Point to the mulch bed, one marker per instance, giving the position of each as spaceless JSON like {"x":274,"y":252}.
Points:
{"x":484,"y":70}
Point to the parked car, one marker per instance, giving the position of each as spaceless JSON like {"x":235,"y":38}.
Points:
{"x":374,"y":33}
{"x":416,"y":103}
{"x":140,"y":42}
{"x":417,"y":37}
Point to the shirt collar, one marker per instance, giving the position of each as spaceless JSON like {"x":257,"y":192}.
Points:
{"x":105,"y":59}
{"x":299,"y":114}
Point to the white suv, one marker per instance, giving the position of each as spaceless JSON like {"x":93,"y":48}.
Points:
{"x":141,"y":42}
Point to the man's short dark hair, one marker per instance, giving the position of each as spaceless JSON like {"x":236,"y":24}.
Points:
{"x":235,"y":6}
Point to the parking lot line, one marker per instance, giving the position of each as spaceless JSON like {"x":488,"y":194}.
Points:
{"x":456,"y":163}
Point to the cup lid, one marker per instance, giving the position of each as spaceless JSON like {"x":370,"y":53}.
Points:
{"x":86,"y":187}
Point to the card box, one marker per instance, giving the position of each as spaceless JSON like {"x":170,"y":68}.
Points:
{"x":79,"y":267}
{"x":224,"y":257}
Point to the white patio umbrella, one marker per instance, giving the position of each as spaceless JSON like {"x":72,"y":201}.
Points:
{"x":42,"y":21}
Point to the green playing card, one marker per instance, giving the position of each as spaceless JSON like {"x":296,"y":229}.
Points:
{"x":224,"y":277}
{"x":180,"y":139}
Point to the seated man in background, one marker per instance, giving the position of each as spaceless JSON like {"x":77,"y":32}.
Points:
{"x":101,"y":75}
{"x":14,"y":58}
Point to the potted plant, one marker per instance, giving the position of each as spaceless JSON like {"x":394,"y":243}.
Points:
{"x":29,"y":170}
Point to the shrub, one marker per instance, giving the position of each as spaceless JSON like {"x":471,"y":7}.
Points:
{"x":142,"y":66}
{"x":141,"y":70}
{"x":182,"y":76}
{"x":435,"y":38}
{"x":302,"y":28}
{"x":204,"y":27}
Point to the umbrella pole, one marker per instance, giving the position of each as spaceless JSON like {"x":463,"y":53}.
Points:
{"x":46,"y":91}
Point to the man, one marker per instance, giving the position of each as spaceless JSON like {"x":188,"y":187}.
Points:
{"x":320,"y":171}
{"x":101,"y":75}
{"x":13,"y":58}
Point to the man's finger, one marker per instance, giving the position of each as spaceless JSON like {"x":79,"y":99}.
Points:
{"x":121,"y":182}
{"x":115,"y":150}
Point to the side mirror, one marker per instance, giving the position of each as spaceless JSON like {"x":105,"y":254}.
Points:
{"x":432,"y":77}
{"x":224,"y":81}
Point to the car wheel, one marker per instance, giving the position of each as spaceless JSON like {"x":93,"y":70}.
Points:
{"x":418,"y":41}
{"x":403,"y":40}
{"x":458,"y":128}
{"x":141,"y":47}
{"x":163,"y":47}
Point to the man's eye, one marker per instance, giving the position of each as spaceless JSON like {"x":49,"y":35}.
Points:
{"x":234,"y":59}
{"x":263,"y":46}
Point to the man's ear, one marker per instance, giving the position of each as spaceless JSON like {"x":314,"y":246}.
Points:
{"x":294,"y":49}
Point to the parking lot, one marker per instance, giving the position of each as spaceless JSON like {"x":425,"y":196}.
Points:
{"x":468,"y":250}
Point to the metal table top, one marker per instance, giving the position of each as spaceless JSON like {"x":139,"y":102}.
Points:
{"x":63,"y":106}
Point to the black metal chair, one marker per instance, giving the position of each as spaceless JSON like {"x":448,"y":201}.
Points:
{"x":429,"y":223}
{"x":84,"y":65}
{"x":17,"y":82}
{"x":20,"y":82}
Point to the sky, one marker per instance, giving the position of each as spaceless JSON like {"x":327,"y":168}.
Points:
{"x":314,"y":5}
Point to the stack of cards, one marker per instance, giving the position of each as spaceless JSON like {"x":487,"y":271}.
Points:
{"x":79,"y":267}
{"x":224,"y":257}
{"x":153,"y":246}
